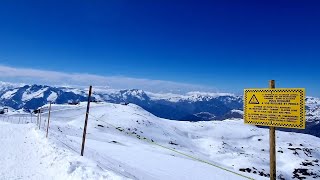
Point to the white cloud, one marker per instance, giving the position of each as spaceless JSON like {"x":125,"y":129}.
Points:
{"x":35,"y":76}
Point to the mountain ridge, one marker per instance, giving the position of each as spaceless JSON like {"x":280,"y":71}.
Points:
{"x":192,"y":106}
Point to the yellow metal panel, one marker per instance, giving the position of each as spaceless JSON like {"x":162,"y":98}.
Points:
{"x":275,"y":107}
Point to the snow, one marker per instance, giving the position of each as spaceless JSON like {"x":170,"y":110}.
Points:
{"x":168,"y":96}
{"x":9,"y":94}
{"x":108,"y":94}
{"x":198,"y":93}
{"x":125,"y":141}
{"x":12,"y":111}
{"x":190,"y":96}
{"x":52,"y":97}
{"x":27,"y":155}
{"x":313,"y":111}
{"x":230,"y":144}
{"x":75,"y":91}
{"x":30,"y":95}
{"x":138,"y":158}
{"x":312,"y":100}
{"x":237,"y":111}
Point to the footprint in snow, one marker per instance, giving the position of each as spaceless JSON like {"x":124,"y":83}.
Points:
{"x":73,"y":166}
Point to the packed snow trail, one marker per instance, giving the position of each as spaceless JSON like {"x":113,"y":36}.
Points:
{"x":26,"y":154}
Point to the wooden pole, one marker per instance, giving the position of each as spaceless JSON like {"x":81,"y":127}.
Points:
{"x":86,"y":122}
{"x":48,"y":119}
{"x":39,"y":118}
{"x":272,"y":138}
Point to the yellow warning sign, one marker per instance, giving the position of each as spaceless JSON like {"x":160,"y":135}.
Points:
{"x":275,"y":107}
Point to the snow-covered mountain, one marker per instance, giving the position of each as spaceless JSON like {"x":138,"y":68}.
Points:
{"x":193,"y":106}
{"x":31,"y":97}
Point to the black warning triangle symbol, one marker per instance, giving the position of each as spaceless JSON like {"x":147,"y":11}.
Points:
{"x":254,"y":100}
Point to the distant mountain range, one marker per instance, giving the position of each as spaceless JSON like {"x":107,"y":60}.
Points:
{"x":193,"y":106}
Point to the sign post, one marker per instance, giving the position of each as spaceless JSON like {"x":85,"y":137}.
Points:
{"x":275,"y":107}
{"x":272,"y":139}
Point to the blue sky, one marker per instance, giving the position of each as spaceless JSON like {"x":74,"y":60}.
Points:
{"x":226,"y":45}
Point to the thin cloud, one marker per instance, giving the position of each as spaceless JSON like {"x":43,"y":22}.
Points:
{"x":36,"y":76}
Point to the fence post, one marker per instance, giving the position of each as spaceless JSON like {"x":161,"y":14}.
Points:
{"x":86,"y":122}
{"x":39,"y":118}
{"x":48,"y":120}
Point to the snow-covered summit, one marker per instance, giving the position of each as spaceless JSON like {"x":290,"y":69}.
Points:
{"x":190,"y":96}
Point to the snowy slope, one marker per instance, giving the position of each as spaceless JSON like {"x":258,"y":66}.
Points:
{"x":136,"y":144}
{"x":124,"y":153}
{"x":27,"y":155}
